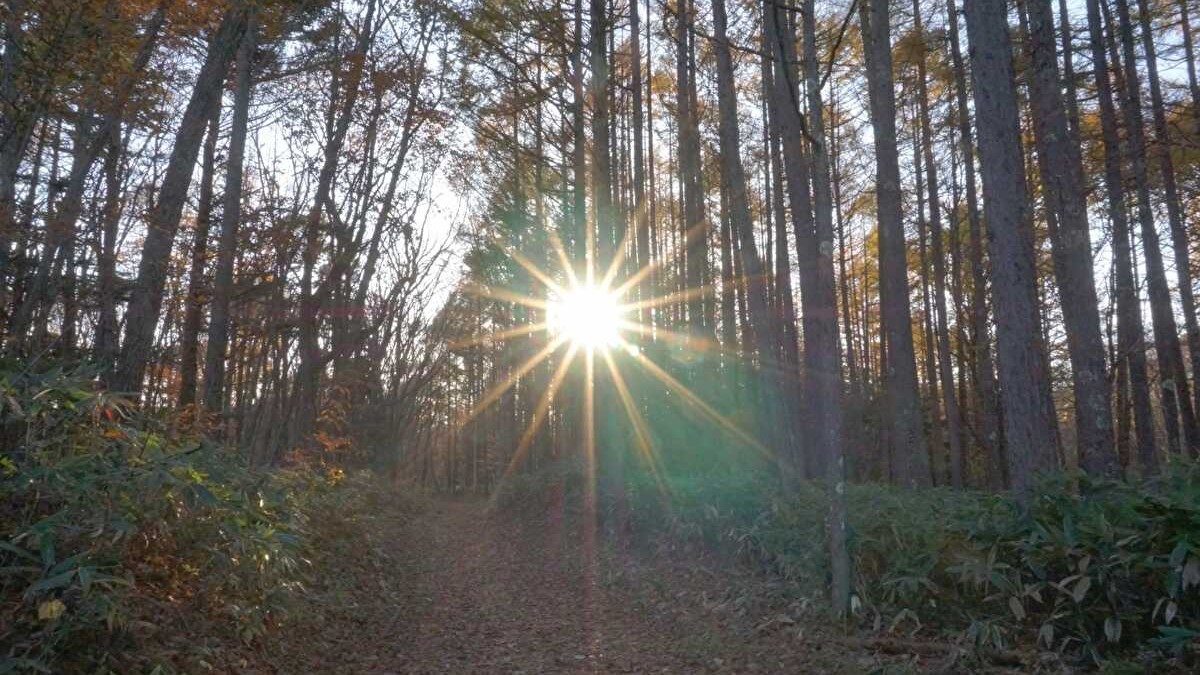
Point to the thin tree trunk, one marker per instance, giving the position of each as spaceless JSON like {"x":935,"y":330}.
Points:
{"x":1179,"y":233}
{"x":193,"y":313}
{"x":640,"y":216}
{"x":946,"y":368}
{"x":105,"y":346}
{"x":988,"y":405}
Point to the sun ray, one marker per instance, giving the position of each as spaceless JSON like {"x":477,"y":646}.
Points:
{"x":635,"y":278}
{"x":563,"y":259}
{"x":501,"y":335}
{"x":669,"y":254}
{"x":539,"y":413}
{"x":640,"y":430}
{"x":498,"y":391}
{"x":537,"y":272}
{"x":677,"y":296}
{"x":711,"y":346}
{"x":677,"y":337}
{"x":589,"y":444}
{"x":503,"y":294}
{"x":614,"y":265}
{"x":722,"y":421}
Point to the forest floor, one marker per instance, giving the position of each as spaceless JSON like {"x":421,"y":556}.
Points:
{"x":458,"y":589}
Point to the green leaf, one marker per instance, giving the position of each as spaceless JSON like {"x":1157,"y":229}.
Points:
{"x":1081,"y":589}
{"x":1112,"y":629}
{"x":51,"y":583}
{"x":17,"y":551}
{"x":1046,"y":635}
{"x":1014,"y":604}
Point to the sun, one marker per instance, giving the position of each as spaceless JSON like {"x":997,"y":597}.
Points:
{"x":587,"y":316}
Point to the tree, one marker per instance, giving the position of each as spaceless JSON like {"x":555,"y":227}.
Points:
{"x":145,"y":302}
{"x":1062,"y":181}
{"x":1130,"y":338}
{"x":909,"y":452}
{"x":1024,"y":389}
{"x":231,"y":215}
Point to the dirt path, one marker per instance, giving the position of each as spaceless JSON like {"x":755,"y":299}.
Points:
{"x":455,"y":590}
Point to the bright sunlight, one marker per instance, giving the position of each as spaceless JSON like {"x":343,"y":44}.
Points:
{"x":587,"y":316}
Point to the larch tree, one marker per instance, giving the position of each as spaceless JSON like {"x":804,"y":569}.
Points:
{"x":1024,"y":387}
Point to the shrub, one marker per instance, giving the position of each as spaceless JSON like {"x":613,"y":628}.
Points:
{"x":1092,"y":569}
{"x":117,"y":527}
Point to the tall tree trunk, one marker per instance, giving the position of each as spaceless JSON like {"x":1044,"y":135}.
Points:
{"x":1068,"y":74}
{"x":1176,"y":402}
{"x":1189,"y":57}
{"x":988,"y":404}
{"x":640,"y":216}
{"x":16,"y":128}
{"x":231,"y":216}
{"x":945,"y":366}
{"x":1179,"y":233}
{"x":937,"y":444}
{"x":1062,"y":182}
{"x":193,"y":313}
{"x":105,"y":347}
{"x":578,"y":237}
{"x":900,"y":371}
{"x":784,"y":111}
{"x":1024,"y":387}
{"x":603,"y":222}
{"x":1130,"y":335}
{"x":785,"y":307}
{"x":145,"y":303}
{"x":733,"y":179}
{"x":821,"y":344}
{"x":695,"y":223}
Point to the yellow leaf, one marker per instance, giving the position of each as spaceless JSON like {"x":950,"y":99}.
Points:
{"x":51,"y":610}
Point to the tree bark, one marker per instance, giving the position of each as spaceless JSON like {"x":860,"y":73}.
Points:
{"x":1130,"y":336}
{"x":145,"y":303}
{"x":1173,"y":394}
{"x":911,"y":455}
{"x":231,"y":216}
{"x":1062,"y":182}
{"x":193,"y":313}
{"x":1024,"y":387}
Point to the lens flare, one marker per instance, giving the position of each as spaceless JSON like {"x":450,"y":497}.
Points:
{"x":587,"y":316}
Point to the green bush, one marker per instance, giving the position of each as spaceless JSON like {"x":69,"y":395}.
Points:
{"x":115,"y":527}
